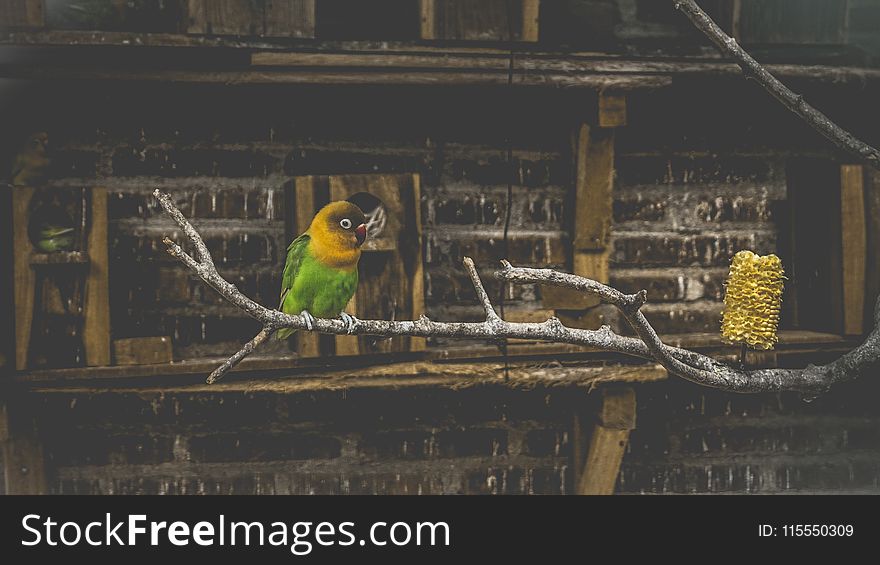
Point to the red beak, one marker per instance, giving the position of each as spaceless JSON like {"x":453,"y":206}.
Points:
{"x":361,"y":233}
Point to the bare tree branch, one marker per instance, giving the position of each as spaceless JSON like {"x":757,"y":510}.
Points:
{"x":693,"y":366}
{"x":794,"y":102}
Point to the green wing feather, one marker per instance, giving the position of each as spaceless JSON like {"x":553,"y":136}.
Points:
{"x":296,"y":251}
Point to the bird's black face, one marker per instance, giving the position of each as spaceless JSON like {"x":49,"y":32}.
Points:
{"x":350,"y":221}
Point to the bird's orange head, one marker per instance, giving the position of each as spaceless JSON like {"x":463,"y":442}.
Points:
{"x":338,"y":230}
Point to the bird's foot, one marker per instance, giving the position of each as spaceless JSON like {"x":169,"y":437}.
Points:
{"x":310,"y":320}
{"x":349,"y":321}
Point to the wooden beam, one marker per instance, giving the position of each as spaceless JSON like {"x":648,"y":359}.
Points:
{"x":307,"y":343}
{"x":854,"y":240}
{"x":612,"y":109}
{"x":594,"y":150}
{"x":608,"y":442}
{"x":530,"y":26}
{"x":96,"y":332}
{"x":418,"y":277}
{"x":872,"y":267}
{"x":427,"y":18}
{"x":25,"y":278}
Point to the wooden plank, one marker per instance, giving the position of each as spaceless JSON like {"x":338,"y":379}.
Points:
{"x":608,"y":442}
{"x":612,"y":109}
{"x":25,"y":278}
{"x":489,"y":20}
{"x":290,"y":18}
{"x":224,"y":17}
{"x":854,"y":234}
{"x":142,"y":350}
{"x":531,"y":21}
{"x":872,"y":267}
{"x":21,"y":13}
{"x":307,"y":343}
{"x":427,"y":18}
{"x":418,"y":276}
{"x":96,"y":311}
{"x":196,"y":16}
{"x":594,"y":150}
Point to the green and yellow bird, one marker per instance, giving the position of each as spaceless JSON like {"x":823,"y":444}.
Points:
{"x":321,"y":272}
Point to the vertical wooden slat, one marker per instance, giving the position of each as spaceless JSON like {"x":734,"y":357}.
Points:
{"x":196,"y":15}
{"x":531,"y":21}
{"x":612,"y":110}
{"x":24,"y":275}
{"x":427,"y":16}
{"x":872,"y":266}
{"x":608,"y":443}
{"x":290,"y":18}
{"x":307,"y":343}
{"x":735,"y":16}
{"x":852,"y":214}
{"x":96,"y":334}
{"x":418,"y":277}
{"x":594,"y":152}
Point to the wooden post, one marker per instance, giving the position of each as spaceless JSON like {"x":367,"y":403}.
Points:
{"x":427,"y":18}
{"x":608,"y":443}
{"x":96,"y":334}
{"x":25,"y":277}
{"x":854,"y":253}
{"x":530,"y":25}
{"x":612,"y":110}
{"x":872,"y":267}
{"x":594,"y":154}
{"x":307,"y":343}
{"x":418,"y":277}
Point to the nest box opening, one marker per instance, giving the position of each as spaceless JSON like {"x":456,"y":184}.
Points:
{"x":375,"y":212}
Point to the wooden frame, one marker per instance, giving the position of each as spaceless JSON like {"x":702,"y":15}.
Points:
{"x":96,"y":307}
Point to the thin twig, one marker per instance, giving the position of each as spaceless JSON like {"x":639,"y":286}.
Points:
{"x":795,"y":102}
{"x":687,"y":364}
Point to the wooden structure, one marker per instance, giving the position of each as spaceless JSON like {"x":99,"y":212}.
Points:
{"x":279,"y":44}
{"x":93,"y":255}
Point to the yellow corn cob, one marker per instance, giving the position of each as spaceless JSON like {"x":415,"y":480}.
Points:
{"x":752,"y":300}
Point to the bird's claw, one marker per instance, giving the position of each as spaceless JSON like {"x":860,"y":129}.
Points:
{"x":310,"y":320}
{"x":349,"y":322}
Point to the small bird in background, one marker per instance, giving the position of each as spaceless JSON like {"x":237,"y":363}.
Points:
{"x":55,"y":238}
{"x":321,"y":272}
{"x":31,"y":166}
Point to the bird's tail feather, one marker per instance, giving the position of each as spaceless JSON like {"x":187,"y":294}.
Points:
{"x":284,"y":333}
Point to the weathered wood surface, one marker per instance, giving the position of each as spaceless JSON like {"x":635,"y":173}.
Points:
{"x":853,"y":237}
{"x":142,"y":350}
{"x":96,"y":310}
{"x":25,"y":278}
{"x":616,"y":418}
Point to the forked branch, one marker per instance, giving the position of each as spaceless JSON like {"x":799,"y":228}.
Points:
{"x":687,"y":364}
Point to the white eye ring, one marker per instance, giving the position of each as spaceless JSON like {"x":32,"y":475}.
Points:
{"x":345,"y":223}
